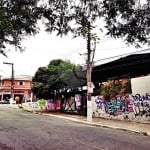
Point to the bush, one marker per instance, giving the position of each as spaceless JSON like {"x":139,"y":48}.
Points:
{"x":115,"y":87}
{"x":42,"y":103}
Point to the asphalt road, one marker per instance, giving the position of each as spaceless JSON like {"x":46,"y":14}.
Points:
{"x":20,"y":130}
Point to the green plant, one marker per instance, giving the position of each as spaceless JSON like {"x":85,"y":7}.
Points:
{"x":42,"y":103}
{"x":115,"y":87}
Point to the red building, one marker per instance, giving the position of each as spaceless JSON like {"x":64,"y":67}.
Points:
{"x":21,"y":88}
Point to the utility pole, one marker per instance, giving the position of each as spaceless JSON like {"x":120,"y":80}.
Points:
{"x":0,"y":80}
{"x":12,"y":80}
{"x":0,"y":84}
{"x":89,"y":70}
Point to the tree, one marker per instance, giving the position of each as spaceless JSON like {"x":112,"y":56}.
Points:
{"x":63,"y":76}
{"x":55,"y":82}
{"x":112,"y":88}
{"x":68,"y":76}
{"x":127,"y":19}
{"x":56,"y":77}
{"x":18,"y":19}
{"x":40,"y":87}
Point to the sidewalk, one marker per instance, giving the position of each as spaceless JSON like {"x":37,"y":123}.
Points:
{"x":142,"y":128}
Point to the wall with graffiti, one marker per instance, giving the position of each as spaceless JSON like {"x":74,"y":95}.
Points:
{"x":72,"y":104}
{"x":131,"y":107}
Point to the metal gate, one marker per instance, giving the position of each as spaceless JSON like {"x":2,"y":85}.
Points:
{"x":74,"y":103}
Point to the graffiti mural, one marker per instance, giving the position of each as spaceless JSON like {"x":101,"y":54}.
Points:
{"x":141,"y":104}
{"x":137,"y":104}
{"x":118,"y":105}
{"x":69,"y":104}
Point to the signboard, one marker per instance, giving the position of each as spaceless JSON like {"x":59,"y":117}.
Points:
{"x":78,"y":101}
{"x":90,"y":87}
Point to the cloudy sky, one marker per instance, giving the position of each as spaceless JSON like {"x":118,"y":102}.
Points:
{"x":43,"y":48}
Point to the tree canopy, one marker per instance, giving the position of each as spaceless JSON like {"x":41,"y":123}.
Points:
{"x":127,"y":19}
{"x":40,"y":87}
{"x":56,"y":77}
{"x":18,"y":18}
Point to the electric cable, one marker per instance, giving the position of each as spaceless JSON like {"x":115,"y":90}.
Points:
{"x":148,"y":49}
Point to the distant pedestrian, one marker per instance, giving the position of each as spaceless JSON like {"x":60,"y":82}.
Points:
{"x":18,"y":101}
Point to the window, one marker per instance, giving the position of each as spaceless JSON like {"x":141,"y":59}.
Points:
{"x":21,"y":83}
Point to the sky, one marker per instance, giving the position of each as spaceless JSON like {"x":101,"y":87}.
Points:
{"x":44,"y":47}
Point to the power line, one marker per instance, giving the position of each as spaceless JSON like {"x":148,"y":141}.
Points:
{"x":83,"y":46}
{"x":4,"y":72}
{"x":118,"y":66}
{"x":74,"y":51}
{"x":106,"y":39}
{"x":148,"y":49}
{"x":113,"y":48}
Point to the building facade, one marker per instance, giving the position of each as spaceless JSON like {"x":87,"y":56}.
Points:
{"x":20,"y":87}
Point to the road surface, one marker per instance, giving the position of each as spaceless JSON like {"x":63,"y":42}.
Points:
{"x":21,"y":130}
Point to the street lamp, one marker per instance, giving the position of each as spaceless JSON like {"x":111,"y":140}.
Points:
{"x":12,"y":80}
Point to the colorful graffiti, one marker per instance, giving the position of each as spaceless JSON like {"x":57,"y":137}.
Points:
{"x":69,"y":104}
{"x":116,"y":106}
{"x":72,"y":103}
{"x":50,"y":105}
{"x":53,"y":105}
{"x":141,"y":104}
{"x":137,"y":104}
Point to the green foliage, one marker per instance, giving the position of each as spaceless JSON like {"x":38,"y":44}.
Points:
{"x":5,"y":25}
{"x":42,"y":103}
{"x":18,"y":18}
{"x":62,"y":75}
{"x":58,"y":75}
{"x":61,"y":14}
{"x":40,"y":87}
{"x":126,"y":19}
{"x":115,"y":87}
{"x":68,"y":77}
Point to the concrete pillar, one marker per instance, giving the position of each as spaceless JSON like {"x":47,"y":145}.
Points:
{"x":89,"y":111}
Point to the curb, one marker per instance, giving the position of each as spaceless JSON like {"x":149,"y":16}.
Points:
{"x":83,"y":122}
{"x":92,"y":124}
{"x":100,"y":125}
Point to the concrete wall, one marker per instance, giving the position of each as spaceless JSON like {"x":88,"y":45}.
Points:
{"x":140,"y":85}
{"x":135,"y":106}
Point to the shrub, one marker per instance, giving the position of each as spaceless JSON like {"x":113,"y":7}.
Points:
{"x":42,"y":103}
